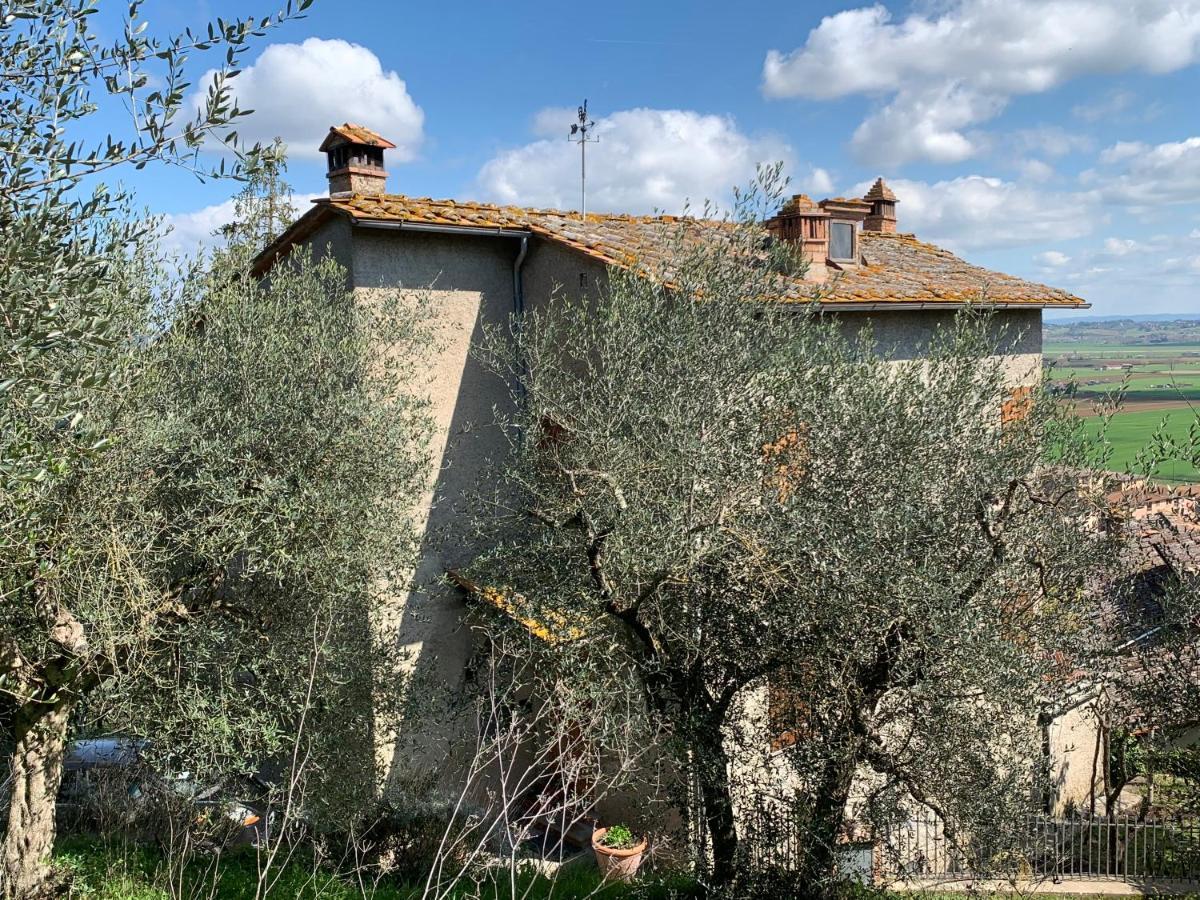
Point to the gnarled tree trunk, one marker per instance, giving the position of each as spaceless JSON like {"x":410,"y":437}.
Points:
{"x":40,"y":737}
{"x":826,"y":815}
{"x":712,"y":772}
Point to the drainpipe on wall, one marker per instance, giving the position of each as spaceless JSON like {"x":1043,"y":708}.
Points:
{"x":518,"y":287}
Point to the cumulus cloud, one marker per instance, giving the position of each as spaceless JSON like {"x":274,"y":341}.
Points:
{"x":976,"y":212}
{"x":192,"y":231}
{"x":946,"y":71}
{"x":1053,"y":258}
{"x":298,"y":90}
{"x":1104,"y":107}
{"x":645,"y":159}
{"x":1122,"y":263}
{"x":1036,"y":170}
{"x":1142,"y":176}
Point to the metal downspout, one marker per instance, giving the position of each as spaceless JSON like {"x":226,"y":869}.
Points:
{"x":518,"y":287}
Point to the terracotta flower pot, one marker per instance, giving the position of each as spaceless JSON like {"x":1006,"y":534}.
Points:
{"x":620,"y":865}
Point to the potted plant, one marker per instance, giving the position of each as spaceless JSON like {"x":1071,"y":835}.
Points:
{"x":618,"y":852}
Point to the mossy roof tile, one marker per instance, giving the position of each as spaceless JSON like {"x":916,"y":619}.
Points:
{"x":894,"y":268}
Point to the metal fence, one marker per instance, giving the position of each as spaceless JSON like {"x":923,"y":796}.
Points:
{"x":1118,"y":848}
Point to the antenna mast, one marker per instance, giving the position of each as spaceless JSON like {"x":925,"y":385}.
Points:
{"x":580,"y":132}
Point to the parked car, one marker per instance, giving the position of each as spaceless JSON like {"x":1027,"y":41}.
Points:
{"x":112,"y":777}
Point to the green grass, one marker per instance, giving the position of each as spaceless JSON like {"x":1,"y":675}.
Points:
{"x":1130,"y":431}
{"x":131,"y":872}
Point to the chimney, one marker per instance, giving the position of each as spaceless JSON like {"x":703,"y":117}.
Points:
{"x":801,"y":221}
{"x":355,"y":157}
{"x":883,"y":208}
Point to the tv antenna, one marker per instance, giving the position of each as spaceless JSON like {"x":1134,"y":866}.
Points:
{"x":580,"y":134}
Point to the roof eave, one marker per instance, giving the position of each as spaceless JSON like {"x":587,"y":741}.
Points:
{"x":297,"y":231}
{"x":873,"y":305}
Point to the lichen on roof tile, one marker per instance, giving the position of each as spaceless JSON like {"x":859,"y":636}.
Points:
{"x":896,"y":268}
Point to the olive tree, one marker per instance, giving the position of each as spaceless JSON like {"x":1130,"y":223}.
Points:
{"x":70,"y":249}
{"x":1148,"y":661}
{"x":736,"y":495}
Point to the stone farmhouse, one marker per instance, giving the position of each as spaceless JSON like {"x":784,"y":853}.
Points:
{"x":483,"y":263}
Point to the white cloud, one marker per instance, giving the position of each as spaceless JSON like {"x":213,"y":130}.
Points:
{"x":974,"y":212}
{"x":192,"y":231}
{"x":645,"y":159}
{"x":1052,"y":258}
{"x":817,"y":182}
{"x":1119,"y":246}
{"x":1111,"y":104}
{"x":925,"y":124}
{"x":1145,"y":176}
{"x":1036,"y":170}
{"x":946,"y":71}
{"x":1122,"y":150}
{"x":298,"y":90}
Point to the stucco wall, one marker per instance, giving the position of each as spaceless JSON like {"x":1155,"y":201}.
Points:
{"x":905,"y":335}
{"x":1071,"y":741}
{"x":468,"y":280}
{"x":333,"y":238}
{"x":468,"y":283}
{"x":551,"y":271}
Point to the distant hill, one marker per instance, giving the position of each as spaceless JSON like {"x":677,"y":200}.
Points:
{"x":1127,"y":331}
{"x":1059,"y":318}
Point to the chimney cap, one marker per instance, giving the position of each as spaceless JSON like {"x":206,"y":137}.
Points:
{"x":880,"y":191}
{"x":349,"y":133}
{"x":800,"y":204}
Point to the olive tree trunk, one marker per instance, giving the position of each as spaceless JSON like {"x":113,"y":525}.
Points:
{"x":39,"y":741}
{"x":712,"y":773}
{"x":826,"y":815}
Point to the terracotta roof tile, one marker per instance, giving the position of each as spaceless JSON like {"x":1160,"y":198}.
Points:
{"x":356,"y":134}
{"x":896,"y":268}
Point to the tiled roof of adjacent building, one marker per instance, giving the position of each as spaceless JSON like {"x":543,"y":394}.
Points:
{"x":893,"y":269}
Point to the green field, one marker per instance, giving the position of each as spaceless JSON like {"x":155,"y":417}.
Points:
{"x":1163,"y":382}
{"x":1072,"y":348}
{"x":1130,"y":430}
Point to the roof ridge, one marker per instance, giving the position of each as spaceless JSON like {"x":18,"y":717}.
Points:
{"x":899,"y":268}
{"x":531,"y":210}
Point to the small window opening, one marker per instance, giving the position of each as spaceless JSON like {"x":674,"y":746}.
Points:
{"x":841,"y":241}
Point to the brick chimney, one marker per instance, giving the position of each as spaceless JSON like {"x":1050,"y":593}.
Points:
{"x":355,"y":157}
{"x":883,"y":208}
{"x":802,"y":221}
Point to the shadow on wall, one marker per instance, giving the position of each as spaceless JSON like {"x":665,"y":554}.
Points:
{"x":428,"y":741}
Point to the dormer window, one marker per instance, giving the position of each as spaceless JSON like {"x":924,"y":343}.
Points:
{"x":841,"y":242}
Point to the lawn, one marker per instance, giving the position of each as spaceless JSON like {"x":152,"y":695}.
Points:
{"x":1130,"y":430}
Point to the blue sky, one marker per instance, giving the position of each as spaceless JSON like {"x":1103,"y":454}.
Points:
{"x":1054,"y":139}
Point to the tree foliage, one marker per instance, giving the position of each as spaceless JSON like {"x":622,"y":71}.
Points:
{"x":733,"y":494}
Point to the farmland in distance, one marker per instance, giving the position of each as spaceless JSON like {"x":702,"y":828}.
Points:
{"x":1158,"y":362}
